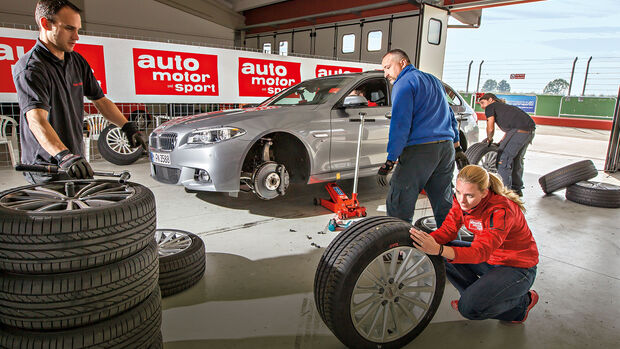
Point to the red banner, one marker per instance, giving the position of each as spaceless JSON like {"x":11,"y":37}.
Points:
{"x":263,"y":78}
{"x":327,"y":70}
{"x":11,"y":50}
{"x":517,"y":76}
{"x":175,"y":73}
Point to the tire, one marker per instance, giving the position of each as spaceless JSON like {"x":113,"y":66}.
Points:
{"x":372,"y":243}
{"x":113,"y":145}
{"x":427,"y":224}
{"x":483,"y":155}
{"x":66,"y":300}
{"x":181,"y":260}
{"x":567,"y":175}
{"x":135,"y":328}
{"x":57,"y":240}
{"x":594,"y":194}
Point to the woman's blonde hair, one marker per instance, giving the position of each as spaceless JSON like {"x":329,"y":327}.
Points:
{"x":484,"y":180}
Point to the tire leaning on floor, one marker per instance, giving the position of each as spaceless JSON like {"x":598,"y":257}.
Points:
{"x":484,"y":155}
{"x":593,"y":193}
{"x":428,"y":225}
{"x":108,"y":221}
{"x":136,"y":328}
{"x":182,"y":260}
{"x":567,"y":175}
{"x":113,"y":146}
{"x":370,"y":275}
{"x":66,"y":300}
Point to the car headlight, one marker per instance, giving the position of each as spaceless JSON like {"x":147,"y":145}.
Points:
{"x":214,"y":135}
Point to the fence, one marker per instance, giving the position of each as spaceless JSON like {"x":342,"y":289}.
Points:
{"x":577,"y":76}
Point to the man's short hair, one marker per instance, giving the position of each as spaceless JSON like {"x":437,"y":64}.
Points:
{"x":398,"y":54}
{"x":49,"y":9}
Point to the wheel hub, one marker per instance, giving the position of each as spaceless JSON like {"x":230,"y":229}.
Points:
{"x":272,"y":181}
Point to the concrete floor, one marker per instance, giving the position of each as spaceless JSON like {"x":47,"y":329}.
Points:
{"x":257,"y":292}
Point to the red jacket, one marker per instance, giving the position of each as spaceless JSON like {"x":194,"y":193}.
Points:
{"x":501,"y":234}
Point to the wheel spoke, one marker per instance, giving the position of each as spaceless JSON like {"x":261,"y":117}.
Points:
{"x":419,"y":289}
{"x":410,"y":270}
{"x":357,"y":307}
{"x":403,"y":266}
{"x":373,"y":308}
{"x":50,"y":207}
{"x":81,"y":204}
{"x":415,"y":302}
{"x":409,"y":314}
{"x":417,"y":277}
{"x":374,"y":321}
{"x":394,"y":320}
{"x":385,"y":320}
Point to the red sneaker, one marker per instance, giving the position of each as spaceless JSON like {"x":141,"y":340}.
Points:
{"x":533,"y":301}
{"x":455,"y":304}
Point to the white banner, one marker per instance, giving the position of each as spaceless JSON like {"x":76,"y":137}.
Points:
{"x":134,"y":71}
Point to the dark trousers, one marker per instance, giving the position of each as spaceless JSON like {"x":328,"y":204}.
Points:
{"x":423,"y":166}
{"x":512,"y":150}
{"x":491,"y":291}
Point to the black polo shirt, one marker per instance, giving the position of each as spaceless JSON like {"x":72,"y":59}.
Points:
{"x":58,"y":86}
{"x":508,"y":117}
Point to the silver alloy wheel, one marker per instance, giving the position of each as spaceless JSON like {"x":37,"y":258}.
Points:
{"x":489,"y":161}
{"x":67,"y":196}
{"x":430,"y":223}
{"x":172,"y":241}
{"x":118,"y":142}
{"x":393,"y":294}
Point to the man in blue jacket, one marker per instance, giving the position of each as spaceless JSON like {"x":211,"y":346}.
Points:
{"x":423,"y":137}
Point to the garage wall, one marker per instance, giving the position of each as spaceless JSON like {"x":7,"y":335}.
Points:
{"x":396,"y":31}
{"x":145,"y":18}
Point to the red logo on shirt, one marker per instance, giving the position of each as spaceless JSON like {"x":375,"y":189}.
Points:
{"x":78,"y":83}
{"x":475,"y":225}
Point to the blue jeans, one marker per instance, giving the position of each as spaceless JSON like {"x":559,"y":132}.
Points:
{"x":422,"y":166}
{"x":511,"y":152}
{"x":491,"y":291}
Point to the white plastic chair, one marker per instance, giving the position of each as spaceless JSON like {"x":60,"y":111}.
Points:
{"x":96,"y":124}
{"x":9,"y":140}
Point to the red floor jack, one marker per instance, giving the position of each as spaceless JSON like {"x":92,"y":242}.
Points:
{"x":340,"y":203}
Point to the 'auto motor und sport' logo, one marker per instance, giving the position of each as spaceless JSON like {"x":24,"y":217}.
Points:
{"x":11,"y":50}
{"x":327,"y":70}
{"x":159,"y":72}
{"x":263,"y":78}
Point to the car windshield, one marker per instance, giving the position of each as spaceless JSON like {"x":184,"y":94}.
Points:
{"x":315,"y":91}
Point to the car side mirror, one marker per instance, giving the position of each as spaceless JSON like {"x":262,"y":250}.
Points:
{"x":354,"y":101}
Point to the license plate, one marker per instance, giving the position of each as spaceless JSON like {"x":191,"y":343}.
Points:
{"x":160,"y":158}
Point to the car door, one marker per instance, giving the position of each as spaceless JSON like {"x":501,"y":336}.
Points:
{"x":345,"y":124}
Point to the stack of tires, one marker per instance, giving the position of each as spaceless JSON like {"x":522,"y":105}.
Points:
{"x":579,"y":188}
{"x":79,"y":266}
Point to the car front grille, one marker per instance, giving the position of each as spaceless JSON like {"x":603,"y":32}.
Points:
{"x":167,"y":175}
{"x":163,"y":141}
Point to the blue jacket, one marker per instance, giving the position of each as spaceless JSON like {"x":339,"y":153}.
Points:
{"x":420,"y":112}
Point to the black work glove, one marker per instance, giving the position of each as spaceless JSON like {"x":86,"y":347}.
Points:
{"x":134,"y":136}
{"x":489,"y":141}
{"x":75,"y":166}
{"x":460,"y":158}
{"x":384,"y":170}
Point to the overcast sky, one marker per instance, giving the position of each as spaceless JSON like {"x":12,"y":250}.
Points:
{"x":553,"y":32}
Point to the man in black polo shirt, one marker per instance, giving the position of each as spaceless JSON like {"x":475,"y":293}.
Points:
{"x":519,"y":128}
{"x":51,"y":82}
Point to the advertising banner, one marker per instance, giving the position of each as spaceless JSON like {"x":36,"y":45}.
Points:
{"x":526,"y":103}
{"x":138,"y":71}
{"x":159,"y":72}
{"x":263,"y":77}
{"x":12,"y":49}
{"x":327,"y":70}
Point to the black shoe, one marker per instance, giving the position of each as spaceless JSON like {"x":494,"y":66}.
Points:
{"x":518,"y":192}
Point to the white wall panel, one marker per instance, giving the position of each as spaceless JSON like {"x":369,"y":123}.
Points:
{"x":324,"y":42}
{"x":375,"y":56}
{"x":405,"y":34}
{"x":348,"y":30}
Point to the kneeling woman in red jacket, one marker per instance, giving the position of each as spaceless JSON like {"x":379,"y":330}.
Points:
{"x":494,"y":273}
